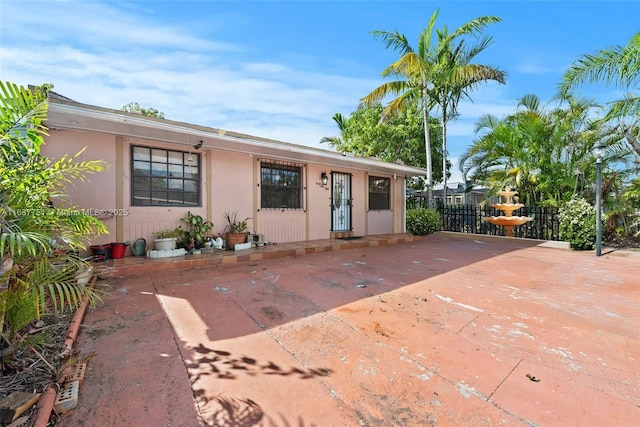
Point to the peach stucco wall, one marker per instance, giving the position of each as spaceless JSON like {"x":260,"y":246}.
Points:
{"x":229,"y":183}
{"x":318,"y":203}
{"x":98,"y":192}
{"x":231,"y":187}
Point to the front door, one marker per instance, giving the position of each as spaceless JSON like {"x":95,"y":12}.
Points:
{"x":340,"y":201}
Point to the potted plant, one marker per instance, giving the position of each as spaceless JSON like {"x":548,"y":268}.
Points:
{"x":236,"y":229}
{"x":197,"y":232}
{"x":166,"y":240}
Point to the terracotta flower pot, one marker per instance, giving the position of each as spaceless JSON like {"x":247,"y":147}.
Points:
{"x":235,"y":238}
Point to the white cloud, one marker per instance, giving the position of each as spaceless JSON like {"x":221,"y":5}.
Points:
{"x":113,"y":57}
{"x":534,"y":67}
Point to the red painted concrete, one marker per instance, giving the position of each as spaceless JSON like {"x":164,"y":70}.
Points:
{"x":438,"y":332}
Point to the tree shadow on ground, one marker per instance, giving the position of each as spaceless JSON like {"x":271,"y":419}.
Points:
{"x":235,"y":412}
{"x":241,"y":412}
{"x":224,"y":365}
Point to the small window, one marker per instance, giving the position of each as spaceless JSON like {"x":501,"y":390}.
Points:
{"x":280,"y":185}
{"x":164,"y":177}
{"x":379,"y":194}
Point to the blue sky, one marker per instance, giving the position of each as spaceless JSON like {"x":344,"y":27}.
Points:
{"x":282,"y":69}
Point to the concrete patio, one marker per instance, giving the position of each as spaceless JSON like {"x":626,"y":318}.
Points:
{"x":449,"y":329}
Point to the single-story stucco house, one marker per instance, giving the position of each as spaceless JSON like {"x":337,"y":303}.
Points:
{"x":161,"y":169}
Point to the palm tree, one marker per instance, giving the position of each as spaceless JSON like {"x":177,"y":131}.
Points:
{"x":337,"y":141}
{"x":545,"y":154}
{"x":455,"y":76}
{"x":416,"y":71}
{"x":618,"y":65}
{"x":34,"y":275}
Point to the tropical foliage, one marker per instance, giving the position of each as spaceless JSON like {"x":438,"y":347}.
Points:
{"x":197,"y":232}
{"x":546,"y":154}
{"x":438,"y":72}
{"x":397,"y":139}
{"x":618,"y":66}
{"x":422,"y":221}
{"x":38,"y":240}
{"x":578,"y":224}
{"x":149,"y":112}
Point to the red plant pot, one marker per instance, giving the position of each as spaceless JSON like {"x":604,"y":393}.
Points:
{"x":118,"y":250}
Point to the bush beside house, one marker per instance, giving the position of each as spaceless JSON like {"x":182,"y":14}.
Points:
{"x":422,"y":221}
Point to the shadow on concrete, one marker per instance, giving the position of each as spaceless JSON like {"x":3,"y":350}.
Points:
{"x":225,"y":366}
{"x":235,"y":412}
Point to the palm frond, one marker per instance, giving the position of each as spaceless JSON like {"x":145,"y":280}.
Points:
{"x":21,"y":128}
{"x":395,"y":40}
{"x":618,"y":65}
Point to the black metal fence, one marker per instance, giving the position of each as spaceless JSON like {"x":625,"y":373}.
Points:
{"x":544,"y":225}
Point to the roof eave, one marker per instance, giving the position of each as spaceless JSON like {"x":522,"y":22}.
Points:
{"x":75,"y":116}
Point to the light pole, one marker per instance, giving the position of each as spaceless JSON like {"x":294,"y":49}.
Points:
{"x":598,"y":153}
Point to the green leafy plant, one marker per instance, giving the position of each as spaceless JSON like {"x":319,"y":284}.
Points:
{"x":38,"y":241}
{"x":234,"y":225}
{"x":169,"y":233}
{"x":422,"y":221}
{"x":197,"y":232}
{"x":578,"y":224}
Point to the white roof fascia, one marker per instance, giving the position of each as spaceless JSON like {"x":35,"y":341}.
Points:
{"x":75,"y":116}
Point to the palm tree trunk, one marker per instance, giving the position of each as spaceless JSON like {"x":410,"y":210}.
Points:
{"x":6,"y":264}
{"x":427,"y":143}
{"x":444,"y":158}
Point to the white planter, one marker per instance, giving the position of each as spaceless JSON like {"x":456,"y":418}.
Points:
{"x":166,"y":254}
{"x":167,"y":244}
{"x":84,"y":275}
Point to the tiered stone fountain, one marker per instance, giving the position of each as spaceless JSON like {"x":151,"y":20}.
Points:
{"x":508,"y":221}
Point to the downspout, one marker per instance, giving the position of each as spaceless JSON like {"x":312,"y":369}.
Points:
{"x":119,"y":188}
{"x":404,"y":205}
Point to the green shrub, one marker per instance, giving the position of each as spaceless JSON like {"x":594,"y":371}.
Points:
{"x":578,"y":224}
{"x":422,"y":221}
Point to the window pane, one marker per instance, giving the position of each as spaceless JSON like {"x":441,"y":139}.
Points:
{"x":141,"y":153}
{"x":175,"y":157}
{"x":159,"y":177}
{"x":176,"y":171}
{"x":158,"y":183}
{"x":159,"y":198}
{"x":175,"y":197}
{"x":159,"y":156}
{"x":141,"y":198}
{"x":159,"y":169}
{"x":191,"y":172}
{"x":175,"y":184}
{"x":379,"y":194}
{"x":191,"y":199}
{"x":191,"y":186}
{"x":141,"y":168}
{"x":141,"y":183}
